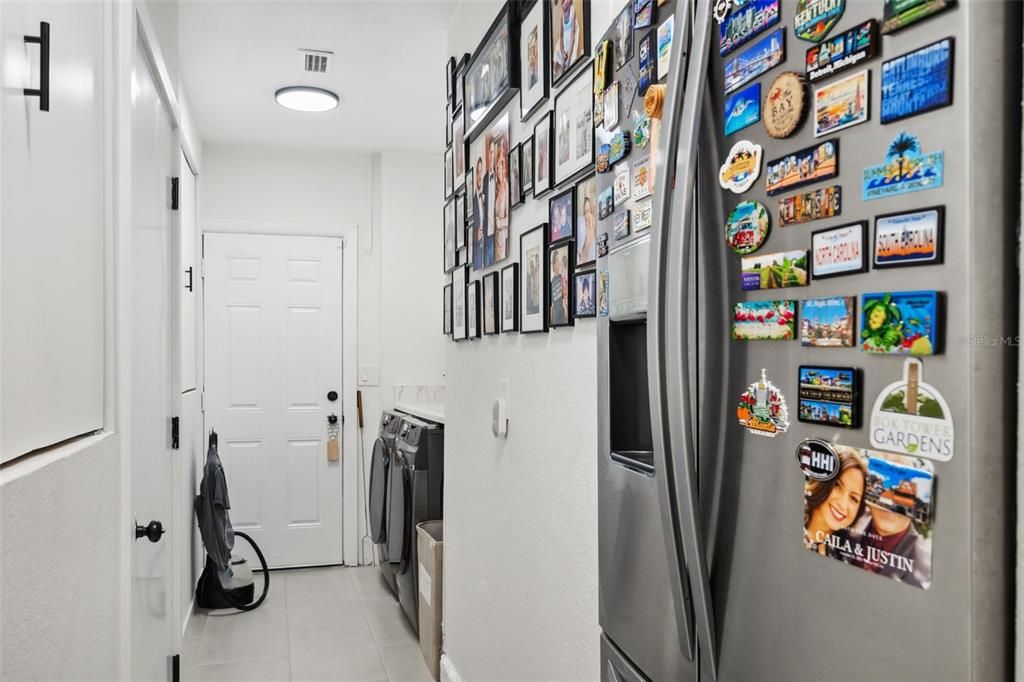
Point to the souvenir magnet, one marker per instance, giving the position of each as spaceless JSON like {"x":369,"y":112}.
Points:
{"x":605,"y":203}
{"x":602,"y":293}
{"x":643,"y":13}
{"x":774,"y":270}
{"x":843,"y":51}
{"x":720,"y":10}
{"x":641,"y":130}
{"x":602,"y":245}
{"x":665,"y":45}
{"x":900,"y":323}
{"x":762,"y":409}
{"x":828,"y":395}
{"x":627,"y":89}
{"x":764,"y":321}
{"x":817,"y":459}
{"x":811,"y":164}
{"x":882,"y":524}
{"x":898,"y":14}
{"x":765,"y":54}
{"x":841,"y":104}
{"x":621,"y":184}
{"x":646,"y":62}
{"x":745,"y":23}
{"x":912,"y":418}
{"x":741,"y":168}
{"x":641,"y":179}
{"x":643,"y":215}
{"x":602,"y":66}
{"x":603,"y":164}
{"x":784,"y":105}
{"x":839,"y":250}
{"x":906,"y":169}
{"x":611,"y":106}
{"x":815,"y":18}
{"x":909,"y":238}
{"x":828,"y":322}
{"x":622,"y":224}
{"x":747,"y":227}
{"x":619,"y":147}
{"x":917,"y":81}
{"x":826,"y":202}
{"x":743,"y":108}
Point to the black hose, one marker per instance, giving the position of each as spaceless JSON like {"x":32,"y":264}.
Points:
{"x":230,"y":598}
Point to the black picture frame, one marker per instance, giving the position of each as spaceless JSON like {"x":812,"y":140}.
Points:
{"x":587,"y":275}
{"x":865,"y":259}
{"x":560,"y":73}
{"x":460,"y":222}
{"x":490,"y":281}
{"x":526,"y":149}
{"x":459,"y":144}
{"x":515,"y":184}
{"x":473,"y":309}
{"x":855,"y":398}
{"x":478,"y":114}
{"x":449,"y":173}
{"x":940,"y":238}
{"x":450,"y":259}
{"x":513,"y":294}
{"x":566,"y":196}
{"x":447,"y":319}
{"x":554,"y":250}
{"x":459,"y":86}
{"x":449,"y":79}
{"x":578,"y":82}
{"x":460,"y":280}
{"x":529,"y":325}
{"x":526,"y":10}
{"x":543,"y":133}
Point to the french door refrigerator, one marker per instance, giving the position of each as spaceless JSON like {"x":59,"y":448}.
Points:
{"x":807,"y":447}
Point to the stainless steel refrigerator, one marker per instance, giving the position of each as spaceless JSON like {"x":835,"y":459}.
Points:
{"x":714,"y":564}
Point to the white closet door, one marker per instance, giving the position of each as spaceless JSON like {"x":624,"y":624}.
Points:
{"x":51,"y":267}
{"x":189,"y":272}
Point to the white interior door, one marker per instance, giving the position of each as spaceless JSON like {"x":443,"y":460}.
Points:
{"x":151,"y":371}
{"x":273,"y":353}
{"x":188,"y":272}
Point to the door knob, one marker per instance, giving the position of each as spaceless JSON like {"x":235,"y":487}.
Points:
{"x":153,"y":531}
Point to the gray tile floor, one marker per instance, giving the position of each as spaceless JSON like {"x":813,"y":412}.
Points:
{"x":316,"y":624}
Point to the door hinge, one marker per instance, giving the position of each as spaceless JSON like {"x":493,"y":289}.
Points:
{"x":202,"y":267}
{"x":175,"y":433}
{"x":202,"y":401}
{"x":174,"y":194}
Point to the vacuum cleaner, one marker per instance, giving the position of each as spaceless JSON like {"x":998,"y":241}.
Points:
{"x":227,"y":580}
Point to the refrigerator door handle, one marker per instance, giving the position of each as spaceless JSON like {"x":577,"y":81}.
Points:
{"x":668,"y":312}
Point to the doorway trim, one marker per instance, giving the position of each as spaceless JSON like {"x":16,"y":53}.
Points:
{"x":350,"y":437}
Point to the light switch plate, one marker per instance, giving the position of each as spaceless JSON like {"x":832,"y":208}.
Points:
{"x":369,"y":376}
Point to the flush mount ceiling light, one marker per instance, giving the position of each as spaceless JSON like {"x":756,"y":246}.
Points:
{"x":306,"y":98}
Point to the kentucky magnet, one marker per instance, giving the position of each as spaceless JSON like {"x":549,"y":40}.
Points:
{"x":826,"y":202}
{"x":828,"y":322}
{"x":762,"y":56}
{"x":743,"y":108}
{"x":784,"y":105}
{"x":906,"y":169}
{"x":839,"y":250}
{"x":815,"y":18}
{"x":817,"y":459}
{"x":829,"y":396}
{"x":811,"y":164}
{"x":841,"y":52}
{"x":841,"y":104}
{"x":775,"y":270}
{"x":910,"y":238}
{"x":918,"y":81}
{"x":874,"y":514}
{"x":762,"y":409}
{"x":898,"y":14}
{"x":746,"y":22}
{"x":747,"y":227}
{"x":741,"y":168}
{"x":764,"y":321}
{"x":900,"y":323}
{"x":912,"y":418}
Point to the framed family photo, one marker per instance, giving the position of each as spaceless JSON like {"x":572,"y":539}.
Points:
{"x":585,"y":294}
{"x":489,"y":309}
{"x":560,"y":267}
{"x":533,"y":281}
{"x":447,"y":323}
{"x":574,"y":127}
{"x":473,"y":310}
{"x":491,"y":194}
{"x":460,"y":222}
{"x":561,"y":214}
{"x":542,"y":163}
{"x":510,"y":298}
{"x":459,"y":147}
{"x":449,"y":173}
{"x":534,"y":59}
{"x":449,"y":237}
{"x":526,"y":167}
{"x":459,"y":276}
{"x":492,"y":77}
{"x":515,"y":181}
{"x":570,"y":36}
{"x":586,"y":221}
{"x":458,"y":87}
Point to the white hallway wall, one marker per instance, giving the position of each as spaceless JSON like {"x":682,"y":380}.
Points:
{"x":520,"y":558}
{"x":389,"y":197}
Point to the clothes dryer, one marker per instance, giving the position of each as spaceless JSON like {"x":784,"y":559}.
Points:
{"x":380,"y":487}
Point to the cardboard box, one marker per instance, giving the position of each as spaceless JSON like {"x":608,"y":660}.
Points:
{"x":430,"y":546}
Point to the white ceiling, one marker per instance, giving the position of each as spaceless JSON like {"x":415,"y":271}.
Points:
{"x":388,"y":71}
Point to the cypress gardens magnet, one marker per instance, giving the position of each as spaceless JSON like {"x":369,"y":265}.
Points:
{"x":746,"y":228}
{"x":741,"y":168}
{"x":762,"y":409}
{"x":912,"y":418}
{"x":785,"y":105}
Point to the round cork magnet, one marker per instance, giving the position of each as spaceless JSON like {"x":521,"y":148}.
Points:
{"x":784,"y":105}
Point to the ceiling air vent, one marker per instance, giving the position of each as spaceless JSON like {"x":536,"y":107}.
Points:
{"x":317,"y":61}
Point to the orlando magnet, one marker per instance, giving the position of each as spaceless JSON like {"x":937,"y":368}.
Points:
{"x":762,"y":409}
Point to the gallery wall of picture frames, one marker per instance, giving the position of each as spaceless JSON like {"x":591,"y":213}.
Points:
{"x":528,"y":209}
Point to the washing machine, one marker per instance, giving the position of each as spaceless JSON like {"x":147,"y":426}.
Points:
{"x":417,"y":481}
{"x":380,"y":489}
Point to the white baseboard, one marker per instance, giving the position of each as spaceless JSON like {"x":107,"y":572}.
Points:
{"x":448,"y":671}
